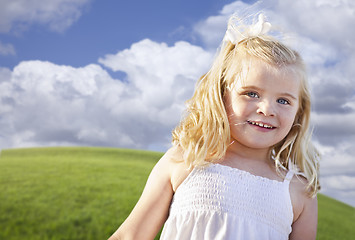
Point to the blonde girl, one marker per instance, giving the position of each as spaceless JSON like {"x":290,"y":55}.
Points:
{"x":242,"y":165}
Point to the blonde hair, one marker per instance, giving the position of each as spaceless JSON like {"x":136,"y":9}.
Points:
{"x":204,"y":132}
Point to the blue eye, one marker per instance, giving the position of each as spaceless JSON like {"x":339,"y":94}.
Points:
{"x":252,"y":94}
{"x":283,"y":101}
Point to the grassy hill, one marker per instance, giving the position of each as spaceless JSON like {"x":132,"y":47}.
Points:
{"x":86,"y":193}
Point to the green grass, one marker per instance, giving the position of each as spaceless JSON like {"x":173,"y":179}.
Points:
{"x":336,"y":220}
{"x":86,"y":193}
{"x":69,"y":193}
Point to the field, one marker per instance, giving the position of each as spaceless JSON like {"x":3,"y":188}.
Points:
{"x":86,"y":193}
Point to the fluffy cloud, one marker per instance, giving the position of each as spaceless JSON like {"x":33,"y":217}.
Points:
{"x":338,"y":171}
{"x":212,"y":29}
{"x":161,"y":75}
{"x":43,"y":103}
{"x":17,"y":15}
{"x":325,"y":20}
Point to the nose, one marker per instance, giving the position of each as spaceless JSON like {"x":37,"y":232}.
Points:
{"x":266,"y":108}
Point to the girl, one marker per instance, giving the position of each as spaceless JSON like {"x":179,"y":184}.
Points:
{"x":242,"y":165}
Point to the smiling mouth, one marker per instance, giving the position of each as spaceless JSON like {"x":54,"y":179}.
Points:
{"x":263,"y":125}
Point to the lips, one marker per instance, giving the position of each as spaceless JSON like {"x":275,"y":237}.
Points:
{"x":260,"y":124}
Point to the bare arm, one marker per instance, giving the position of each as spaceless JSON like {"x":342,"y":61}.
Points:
{"x":151,"y":211}
{"x":305,"y":227}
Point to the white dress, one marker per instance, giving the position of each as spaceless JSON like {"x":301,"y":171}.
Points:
{"x":219,"y":202}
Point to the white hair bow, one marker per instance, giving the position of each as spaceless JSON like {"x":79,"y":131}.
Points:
{"x":235,"y":33}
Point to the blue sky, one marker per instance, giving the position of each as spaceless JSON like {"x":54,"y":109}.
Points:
{"x":105,"y":27}
{"x":117,"y":73}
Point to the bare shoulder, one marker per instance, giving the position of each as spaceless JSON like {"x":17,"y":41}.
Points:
{"x":305,"y":210}
{"x":173,"y":159}
{"x":299,"y":194}
{"x":152,"y":208}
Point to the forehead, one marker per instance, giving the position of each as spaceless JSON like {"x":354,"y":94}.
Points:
{"x":256,"y":73}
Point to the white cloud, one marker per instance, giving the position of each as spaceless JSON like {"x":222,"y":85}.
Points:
{"x":338,"y":171}
{"x":17,"y":15}
{"x":339,"y":186}
{"x":160,"y":74}
{"x":159,"y":61}
{"x":43,"y":103}
{"x":334,"y":129}
{"x":212,"y":29}
{"x":341,"y":182}
{"x":324,"y":20}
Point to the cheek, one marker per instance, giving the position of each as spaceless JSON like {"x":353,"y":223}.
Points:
{"x":289,"y":119}
{"x":240,"y":108}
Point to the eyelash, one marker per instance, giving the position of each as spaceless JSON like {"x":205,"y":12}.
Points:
{"x":286,"y":101}
{"x":256,"y":95}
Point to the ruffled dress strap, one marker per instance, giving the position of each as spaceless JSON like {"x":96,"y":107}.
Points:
{"x":289,"y":176}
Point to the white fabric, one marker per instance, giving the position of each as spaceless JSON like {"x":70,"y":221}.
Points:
{"x":219,"y":202}
{"x":237,"y":31}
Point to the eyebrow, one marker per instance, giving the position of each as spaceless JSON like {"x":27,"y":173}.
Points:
{"x":289,"y":95}
{"x":260,"y":90}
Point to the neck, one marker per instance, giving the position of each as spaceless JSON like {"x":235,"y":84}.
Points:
{"x":242,"y":152}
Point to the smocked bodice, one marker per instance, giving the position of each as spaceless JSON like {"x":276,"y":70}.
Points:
{"x":220,"y":202}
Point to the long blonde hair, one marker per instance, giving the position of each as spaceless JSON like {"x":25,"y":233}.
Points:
{"x":204,"y":132}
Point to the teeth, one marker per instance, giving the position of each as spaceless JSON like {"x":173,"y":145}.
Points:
{"x":261,"y":125}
